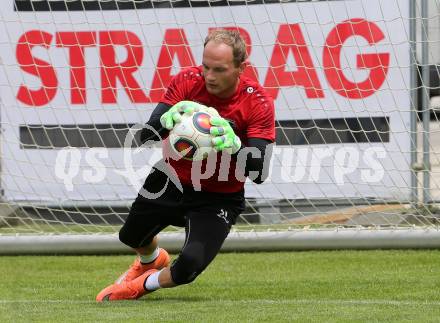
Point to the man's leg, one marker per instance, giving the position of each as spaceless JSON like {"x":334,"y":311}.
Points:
{"x":148,"y":249}
{"x":205,"y":234}
{"x":139,"y":232}
{"x":206,"y":230}
{"x":148,"y":257}
{"x":146,"y":219}
{"x":142,"y":245}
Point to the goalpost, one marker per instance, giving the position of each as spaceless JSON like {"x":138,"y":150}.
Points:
{"x":76,"y":76}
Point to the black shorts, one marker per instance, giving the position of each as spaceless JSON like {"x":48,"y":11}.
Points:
{"x":147,"y":217}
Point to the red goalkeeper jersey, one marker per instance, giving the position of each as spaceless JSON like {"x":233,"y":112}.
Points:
{"x":251,"y":111}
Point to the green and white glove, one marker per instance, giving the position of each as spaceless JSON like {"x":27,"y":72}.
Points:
{"x":174,"y":115}
{"x":225,"y":138}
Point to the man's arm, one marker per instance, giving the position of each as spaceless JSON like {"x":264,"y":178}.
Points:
{"x":256,"y":168}
{"x":154,"y":122}
{"x":252,"y":160}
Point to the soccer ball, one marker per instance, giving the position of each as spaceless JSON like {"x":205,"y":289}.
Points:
{"x":190,"y":138}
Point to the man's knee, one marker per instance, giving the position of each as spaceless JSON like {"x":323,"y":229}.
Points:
{"x":186,"y":268}
{"x":127,"y":237}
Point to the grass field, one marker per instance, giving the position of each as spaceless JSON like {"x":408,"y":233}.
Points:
{"x":329,"y":286}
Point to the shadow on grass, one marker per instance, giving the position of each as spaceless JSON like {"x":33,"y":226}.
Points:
{"x":161,"y":299}
{"x":174,"y":299}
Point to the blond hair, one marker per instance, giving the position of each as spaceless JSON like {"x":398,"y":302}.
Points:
{"x":231,"y":38}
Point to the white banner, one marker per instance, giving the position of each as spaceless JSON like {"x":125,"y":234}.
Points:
{"x":319,"y":60}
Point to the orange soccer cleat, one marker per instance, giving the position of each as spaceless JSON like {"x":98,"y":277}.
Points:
{"x":137,"y":268}
{"x":130,"y":290}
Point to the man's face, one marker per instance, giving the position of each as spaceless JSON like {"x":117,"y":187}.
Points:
{"x":221,"y":74}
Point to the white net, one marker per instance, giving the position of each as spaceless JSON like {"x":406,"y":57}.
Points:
{"x":76,"y":75}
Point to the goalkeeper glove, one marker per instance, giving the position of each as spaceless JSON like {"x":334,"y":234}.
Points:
{"x":224,"y":136}
{"x":174,"y":114}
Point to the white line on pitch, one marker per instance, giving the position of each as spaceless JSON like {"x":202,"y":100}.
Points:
{"x":252,"y":301}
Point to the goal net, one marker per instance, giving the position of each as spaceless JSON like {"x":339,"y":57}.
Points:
{"x":76,"y":76}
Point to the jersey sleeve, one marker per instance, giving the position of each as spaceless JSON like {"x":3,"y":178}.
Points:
{"x":261,"y":119}
{"x":180,"y":87}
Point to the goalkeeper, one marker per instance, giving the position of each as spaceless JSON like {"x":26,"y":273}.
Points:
{"x":246,"y":122}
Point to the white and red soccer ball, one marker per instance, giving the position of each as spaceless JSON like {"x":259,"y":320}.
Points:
{"x":191,"y":138}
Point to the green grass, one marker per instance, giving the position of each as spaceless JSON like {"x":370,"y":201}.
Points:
{"x":329,"y":286}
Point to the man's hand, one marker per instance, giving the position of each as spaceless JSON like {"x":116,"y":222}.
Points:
{"x":224,"y":136}
{"x":174,"y":115}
